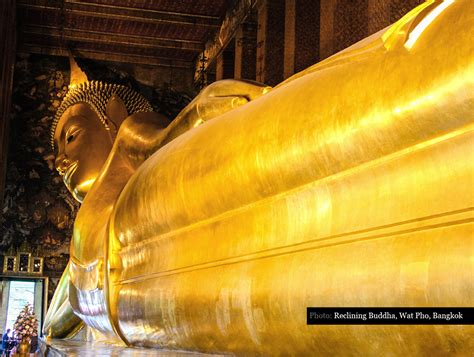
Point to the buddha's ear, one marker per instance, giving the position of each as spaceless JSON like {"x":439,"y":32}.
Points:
{"x":116,"y":111}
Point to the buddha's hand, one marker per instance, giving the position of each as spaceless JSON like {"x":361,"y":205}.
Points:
{"x":214,"y":100}
{"x":222,"y":96}
{"x":218,"y":98}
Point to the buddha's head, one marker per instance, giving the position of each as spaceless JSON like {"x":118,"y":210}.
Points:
{"x":84,"y":130}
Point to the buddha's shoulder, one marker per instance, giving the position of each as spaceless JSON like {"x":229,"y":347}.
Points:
{"x":146,"y":119}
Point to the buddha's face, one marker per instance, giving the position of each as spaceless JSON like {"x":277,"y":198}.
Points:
{"x":83,"y":145}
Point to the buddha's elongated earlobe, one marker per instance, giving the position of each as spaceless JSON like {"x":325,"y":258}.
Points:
{"x":116,"y":112}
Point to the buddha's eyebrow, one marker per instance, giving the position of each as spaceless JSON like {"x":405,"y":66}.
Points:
{"x":70,"y":123}
{"x":62,"y":132}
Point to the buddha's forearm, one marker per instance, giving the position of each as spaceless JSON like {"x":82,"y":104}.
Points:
{"x":215,"y":100}
{"x":142,"y":134}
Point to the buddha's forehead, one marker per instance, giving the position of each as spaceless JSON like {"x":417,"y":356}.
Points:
{"x":77,"y":114}
{"x":79,"y":109}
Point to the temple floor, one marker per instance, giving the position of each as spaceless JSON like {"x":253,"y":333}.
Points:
{"x":56,"y":348}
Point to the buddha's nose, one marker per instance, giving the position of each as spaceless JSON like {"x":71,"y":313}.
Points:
{"x":62,"y":164}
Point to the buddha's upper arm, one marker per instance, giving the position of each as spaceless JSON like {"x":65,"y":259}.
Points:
{"x":140,"y":135}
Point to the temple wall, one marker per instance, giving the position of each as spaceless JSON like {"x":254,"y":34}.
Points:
{"x":7,"y":49}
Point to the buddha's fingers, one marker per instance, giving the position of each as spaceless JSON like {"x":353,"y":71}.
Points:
{"x":211,"y":107}
{"x":222,"y":96}
{"x":214,"y":100}
{"x":235,"y":88}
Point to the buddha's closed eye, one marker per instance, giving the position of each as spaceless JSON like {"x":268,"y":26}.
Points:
{"x":71,"y":135}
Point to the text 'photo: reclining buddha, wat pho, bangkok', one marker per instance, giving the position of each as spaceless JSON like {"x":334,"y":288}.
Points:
{"x":236,"y":178}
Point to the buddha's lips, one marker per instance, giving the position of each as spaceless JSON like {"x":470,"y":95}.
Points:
{"x":70,"y":171}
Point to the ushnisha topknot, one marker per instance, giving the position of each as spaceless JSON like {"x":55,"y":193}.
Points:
{"x":97,"y":95}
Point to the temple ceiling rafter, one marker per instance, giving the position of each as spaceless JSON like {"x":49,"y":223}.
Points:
{"x":158,"y":33}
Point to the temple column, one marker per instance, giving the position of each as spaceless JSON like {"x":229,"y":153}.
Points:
{"x":302,"y":35}
{"x":326,"y":30}
{"x":307,"y":33}
{"x":225,"y":64}
{"x":245,"y":51}
{"x":385,"y":13}
{"x":350,"y":23}
{"x":4,"y":294}
{"x":270,"y":41}
{"x":7,"y":60}
{"x":229,"y":61}
{"x":220,"y":67}
{"x":39,"y":303}
{"x":343,"y":23}
{"x":290,"y":38}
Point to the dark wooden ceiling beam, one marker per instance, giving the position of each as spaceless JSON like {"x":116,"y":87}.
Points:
{"x":70,"y":34}
{"x":121,"y":12}
{"x":105,"y":56}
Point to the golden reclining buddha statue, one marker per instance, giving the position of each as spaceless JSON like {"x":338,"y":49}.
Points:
{"x":349,"y":184}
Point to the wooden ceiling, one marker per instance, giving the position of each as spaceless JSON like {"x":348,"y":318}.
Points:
{"x":155,"y":32}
